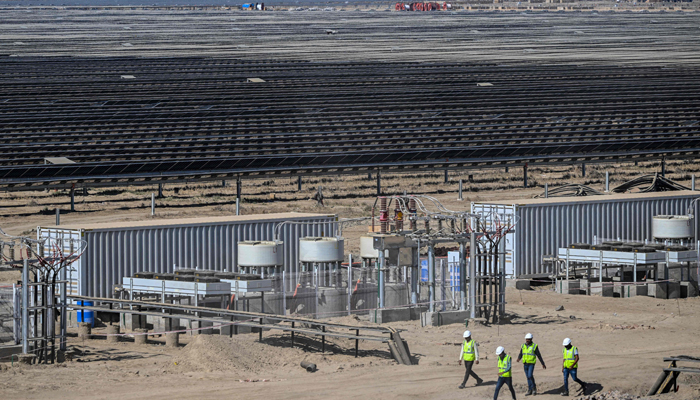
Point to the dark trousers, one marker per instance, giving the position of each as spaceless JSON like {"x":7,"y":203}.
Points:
{"x":501,"y":381}
{"x":468,"y":371}
{"x":529,"y":374}
{"x":572,"y":372}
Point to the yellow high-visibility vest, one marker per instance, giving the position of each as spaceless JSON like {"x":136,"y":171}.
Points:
{"x":529,"y":353}
{"x":503,"y":366}
{"x":570,"y":358}
{"x":469,"y":354}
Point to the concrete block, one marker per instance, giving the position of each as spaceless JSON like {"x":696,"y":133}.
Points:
{"x":689,"y":289}
{"x":134,"y":321}
{"x":674,"y":290}
{"x":439,"y":318}
{"x":571,"y":286}
{"x":520,"y":284}
{"x":634,"y":290}
{"x":658,"y":290}
{"x":604,"y":289}
{"x":385,"y":315}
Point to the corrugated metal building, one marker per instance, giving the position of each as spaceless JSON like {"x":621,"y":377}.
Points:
{"x":115,"y":250}
{"x":544,"y":225}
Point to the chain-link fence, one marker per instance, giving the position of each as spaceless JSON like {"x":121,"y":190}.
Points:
{"x":8,"y":314}
{"x":326,"y":290}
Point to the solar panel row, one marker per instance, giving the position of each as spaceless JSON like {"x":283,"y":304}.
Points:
{"x":184,"y":118}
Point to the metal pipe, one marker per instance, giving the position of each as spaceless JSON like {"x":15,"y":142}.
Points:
{"x":462,"y":275}
{"x":692,"y":182}
{"x":607,"y":181}
{"x":58,"y":216}
{"x":308,"y":366}
{"x":72,"y":198}
{"x":583,"y":170}
{"x":153,"y":204}
{"x":525,"y":175}
{"x":299,"y":183}
{"x":160,"y":189}
{"x":472,"y":273}
{"x":546,"y":190}
{"x":447,"y":177}
{"x":349,"y":284}
{"x":431,"y":276}
{"x":379,"y":183}
{"x":25,"y":306}
{"x":460,"y":191}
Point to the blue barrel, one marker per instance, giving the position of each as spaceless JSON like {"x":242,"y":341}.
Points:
{"x":86,"y":315}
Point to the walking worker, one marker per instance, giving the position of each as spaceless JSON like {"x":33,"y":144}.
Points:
{"x":504,"y":372}
{"x":529,"y":353}
{"x":570,"y":367}
{"x":470,"y":355}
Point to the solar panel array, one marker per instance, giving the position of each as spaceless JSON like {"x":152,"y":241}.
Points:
{"x":185,"y":118}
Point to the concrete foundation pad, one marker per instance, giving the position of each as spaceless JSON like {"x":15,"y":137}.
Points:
{"x":520,"y":284}
{"x":385,"y":315}
{"x":571,"y":286}
{"x":674,"y":290}
{"x":604,"y":289}
{"x":689,"y":289}
{"x":7,"y":351}
{"x":439,"y":318}
{"x":658,"y":290}
{"x":634,"y":290}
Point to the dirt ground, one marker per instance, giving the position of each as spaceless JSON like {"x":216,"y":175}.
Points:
{"x":621,"y":341}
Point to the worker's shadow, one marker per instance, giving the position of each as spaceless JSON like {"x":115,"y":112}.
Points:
{"x":591,"y":388}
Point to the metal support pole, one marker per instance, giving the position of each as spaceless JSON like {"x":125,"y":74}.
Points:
{"x":284,"y":293}
{"x":583,"y":170}
{"x":349,"y":284}
{"x":382,"y":265}
{"x":58,"y":216}
{"x":415,"y":274}
{"x":160,"y":190}
{"x":546,"y":190}
{"x":299,"y":183}
{"x":379,"y":183}
{"x":472,"y":274}
{"x":663,"y":166}
{"x":25,"y":307}
{"x":607,"y":181}
{"x":238,"y":196}
{"x":447,"y":177}
{"x":692,"y":182}
{"x":463,"y":275}
{"x":525,"y":175}
{"x":431,"y":276}
{"x":153,"y":204}
{"x":64,"y":317}
{"x":460,"y":191}
{"x":502,"y":277}
{"x":72,"y":198}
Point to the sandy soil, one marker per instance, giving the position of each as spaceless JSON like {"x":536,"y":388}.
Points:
{"x":622,"y":343}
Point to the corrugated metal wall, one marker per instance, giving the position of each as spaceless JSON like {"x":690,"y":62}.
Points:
{"x":543,"y":228}
{"x":116,"y":253}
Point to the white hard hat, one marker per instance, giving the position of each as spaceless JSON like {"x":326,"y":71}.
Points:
{"x":567,"y":342}
{"x":528,"y":336}
{"x":467,"y":334}
{"x":499,"y":350}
